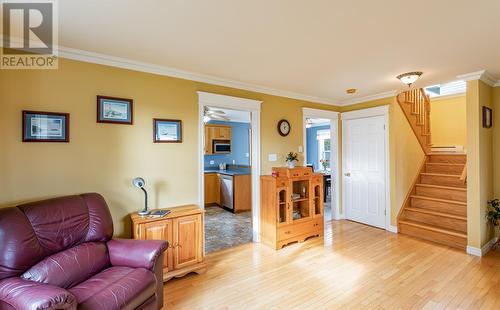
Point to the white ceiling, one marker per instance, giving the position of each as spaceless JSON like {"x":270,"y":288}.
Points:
{"x":316,"y":48}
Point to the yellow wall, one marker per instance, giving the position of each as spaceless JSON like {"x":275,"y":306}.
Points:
{"x":405,"y":154}
{"x":479,"y":164}
{"x":448,"y":121}
{"x":105,"y":157}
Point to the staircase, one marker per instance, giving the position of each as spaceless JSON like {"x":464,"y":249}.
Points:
{"x":435,"y":209}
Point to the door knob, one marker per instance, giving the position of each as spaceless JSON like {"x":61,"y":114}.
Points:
{"x":347,"y":174}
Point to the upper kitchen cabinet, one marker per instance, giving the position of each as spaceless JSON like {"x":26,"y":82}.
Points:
{"x":221,"y":134}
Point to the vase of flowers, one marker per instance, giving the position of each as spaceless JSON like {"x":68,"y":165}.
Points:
{"x":324,"y":163}
{"x":493,"y":215}
{"x":291,"y":158}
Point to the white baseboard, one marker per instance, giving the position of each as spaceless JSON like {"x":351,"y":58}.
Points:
{"x":482,"y":251}
{"x":392,"y":229}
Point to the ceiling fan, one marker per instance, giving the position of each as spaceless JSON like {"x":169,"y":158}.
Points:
{"x":213,"y":114}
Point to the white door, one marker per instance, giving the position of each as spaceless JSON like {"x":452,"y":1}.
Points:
{"x":364,"y":170}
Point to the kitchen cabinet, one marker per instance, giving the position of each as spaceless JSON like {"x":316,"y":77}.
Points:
{"x":212,"y":188}
{"x":216,"y":132}
{"x":182,"y":228}
{"x":291,"y":206}
{"x":232,"y":191}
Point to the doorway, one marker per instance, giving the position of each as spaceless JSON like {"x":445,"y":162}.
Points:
{"x":365,"y":179}
{"x":321,"y":154}
{"x":229,"y":169}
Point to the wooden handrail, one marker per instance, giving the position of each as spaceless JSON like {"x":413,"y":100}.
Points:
{"x":416,"y":106}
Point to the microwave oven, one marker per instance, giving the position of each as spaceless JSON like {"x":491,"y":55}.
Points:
{"x":222,"y":147}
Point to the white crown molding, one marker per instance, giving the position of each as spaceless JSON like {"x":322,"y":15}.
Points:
{"x":482,"y":75}
{"x":103,"y":59}
{"x":352,"y":101}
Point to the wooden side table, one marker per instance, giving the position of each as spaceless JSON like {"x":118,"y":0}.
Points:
{"x":183,"y":229}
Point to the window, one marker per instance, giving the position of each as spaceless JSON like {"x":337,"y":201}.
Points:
{"x":324,"y":148}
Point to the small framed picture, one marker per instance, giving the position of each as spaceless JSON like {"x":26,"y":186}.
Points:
{"x":114,"y":110}
{"x":167,"y":130}
{"x":45,"y":126}
{"x":487,"y":117}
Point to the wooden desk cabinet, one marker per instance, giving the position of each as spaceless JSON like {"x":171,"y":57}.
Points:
{"x":183,"y":229}
{"x":291,"y":206}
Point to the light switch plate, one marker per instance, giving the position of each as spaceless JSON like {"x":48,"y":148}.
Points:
{"x":247,"y":155}
{"x":212,"y":162}
{"x":301,"y":149}
{"x":273,"y":157}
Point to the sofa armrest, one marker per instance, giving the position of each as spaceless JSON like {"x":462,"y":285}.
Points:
{"x":135,"y":253}
{"x":26,"y":294}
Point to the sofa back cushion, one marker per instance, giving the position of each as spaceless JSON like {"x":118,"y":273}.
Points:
{"x":70,"y":267}
{"x":31,"y":232}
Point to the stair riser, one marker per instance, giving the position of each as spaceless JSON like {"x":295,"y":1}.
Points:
{"x":442,"y":180}
{"x":442,"y":193}
{"x":439,"y":206}
{"x":445,"y":169}
{"x":451,"y":159}
{"x":435,"y":220}
{"x":453,"y":241}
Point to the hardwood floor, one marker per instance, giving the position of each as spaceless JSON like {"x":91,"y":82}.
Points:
{"x":355,"y":267}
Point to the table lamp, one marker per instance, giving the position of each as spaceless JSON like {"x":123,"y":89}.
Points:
{"x":139,"y":183}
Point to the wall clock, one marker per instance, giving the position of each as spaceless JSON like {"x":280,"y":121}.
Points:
{"x":284,"y":127}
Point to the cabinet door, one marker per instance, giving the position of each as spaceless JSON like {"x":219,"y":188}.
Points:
{"x":212,"y":188}
{"x":224,"y":133}
{"x":209,"y":137}
{"x":188,"y":243}
{"x":317,"y":200}
{"x":284,"y":210}
{"x":160,"y":230}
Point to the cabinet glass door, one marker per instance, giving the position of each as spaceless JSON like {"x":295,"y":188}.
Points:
{"x":318,"y":200}
{"x":300,"y":200}
{"x":282,"y":206}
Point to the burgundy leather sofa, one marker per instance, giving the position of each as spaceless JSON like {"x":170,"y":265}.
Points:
{"x":58,"y":254}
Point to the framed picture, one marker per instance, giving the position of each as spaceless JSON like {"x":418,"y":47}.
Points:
{"x":487,"y":117}
{"x":167,"y":130}
{"x":45,"y":126}
{"x":114,"y":110}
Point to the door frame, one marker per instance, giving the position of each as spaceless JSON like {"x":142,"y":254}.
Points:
{"x":366,"y":113}
{"x":241,"y":104}
{"x":334,"y":155}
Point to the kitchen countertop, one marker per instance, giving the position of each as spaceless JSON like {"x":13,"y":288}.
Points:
{"x":229,"y":171}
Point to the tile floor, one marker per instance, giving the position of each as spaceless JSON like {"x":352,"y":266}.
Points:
{"x":224,"y":229}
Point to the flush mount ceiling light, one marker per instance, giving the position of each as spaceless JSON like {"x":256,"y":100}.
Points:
{"x":409,"y":77}
{"x":351,"y":91}
{"x":212,"y":114}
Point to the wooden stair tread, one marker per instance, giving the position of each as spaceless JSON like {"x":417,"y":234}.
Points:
{"x":441,"y":174}
{"x":445,"y":164}
{"x":439,"y":200}
{"x":436,"y":213}
{"x":443,"y":187}
{"x":447,"y":153}
{"x":433,"y":228}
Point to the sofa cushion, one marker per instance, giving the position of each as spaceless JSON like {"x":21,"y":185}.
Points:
{"x":115,"y":288}
{"x":70,"y":267}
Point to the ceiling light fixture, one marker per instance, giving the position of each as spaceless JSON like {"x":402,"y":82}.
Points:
{"x":409,"y":77}
{"x":351,"y":91}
